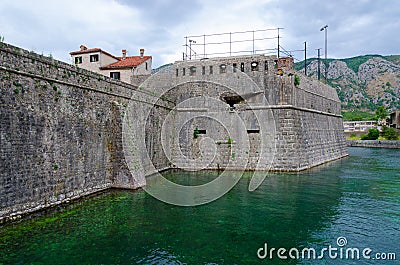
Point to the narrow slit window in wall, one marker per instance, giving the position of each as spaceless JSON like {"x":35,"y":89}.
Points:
{"x":193,"y":70}
{"x":253,"y":131}
{"x":235,"y":67}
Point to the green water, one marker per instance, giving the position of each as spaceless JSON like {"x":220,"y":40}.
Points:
{"x":357,"y":197}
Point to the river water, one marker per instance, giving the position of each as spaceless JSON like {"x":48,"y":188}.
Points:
{"x":346,"y":206}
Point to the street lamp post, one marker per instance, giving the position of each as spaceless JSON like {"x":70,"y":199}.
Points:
{"x":326,"y":51}
{"x":319,"y":64}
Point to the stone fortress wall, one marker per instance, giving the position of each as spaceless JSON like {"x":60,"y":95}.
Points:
{"x":63,"y":133}
{"x":248,"y":108}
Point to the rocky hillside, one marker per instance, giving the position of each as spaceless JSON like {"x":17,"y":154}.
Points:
{"x":363,"y":82}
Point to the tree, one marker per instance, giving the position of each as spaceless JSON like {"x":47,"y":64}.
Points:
{"x":390,"y":133}
{"x":381,"y":114}
{"x":373,"y":134}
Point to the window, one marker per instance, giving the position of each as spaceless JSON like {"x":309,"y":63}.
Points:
{"x":266,"y":66}
{"x":253,"y":131}
{"x":146,"y":67}
{"x":183,"y":71}
{"x":203,"y":72}
{"x":235,"y":67}
{"x":198,"y":131}
{"x":115,"y":75}
{"x":222,"y":69}
{"x":177,"y":72}
{"x":242,"y":67}
{"x":211,"y":70}
{"x":232,"y":100}
{"x":192,"y":70}
{"x":78,"y":60}
{"x":254,"y":66}
{"x":94,"y":58}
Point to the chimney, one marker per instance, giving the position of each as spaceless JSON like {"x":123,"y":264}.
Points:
{"x":141,"y":53}
{"x":123,"y":54}
{"x":83,"y":48}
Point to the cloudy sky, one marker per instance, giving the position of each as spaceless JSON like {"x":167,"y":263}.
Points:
{"x":355,"y":27}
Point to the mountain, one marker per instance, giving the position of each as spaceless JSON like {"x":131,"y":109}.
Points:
{"x":363,"y":83}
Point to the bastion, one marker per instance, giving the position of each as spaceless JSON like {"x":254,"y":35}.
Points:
{"x":66,"y":132}
{"x":249,"y":112}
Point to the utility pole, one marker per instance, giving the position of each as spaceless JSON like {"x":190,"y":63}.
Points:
{"x":305,"y":58}
{"x":186,"y":46}
{"x":319,"y":64}
{"x":278,"y":41}
{"x":326,"y":51}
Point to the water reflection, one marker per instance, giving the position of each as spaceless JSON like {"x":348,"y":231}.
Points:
{"x":357,"y":197}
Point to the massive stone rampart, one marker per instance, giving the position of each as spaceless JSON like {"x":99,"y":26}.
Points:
{"x":61,"y":131}
{"x":66,"y":132}
{"x":248,"y":109}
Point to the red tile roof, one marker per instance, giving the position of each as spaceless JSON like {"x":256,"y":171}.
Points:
{"x":128,"y":62}
{"x":91,"y":50}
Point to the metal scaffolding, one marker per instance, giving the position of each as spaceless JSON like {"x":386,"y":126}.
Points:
{"x":232,"y":43}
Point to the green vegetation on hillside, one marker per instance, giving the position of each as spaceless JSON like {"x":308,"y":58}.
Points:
{"x":393,"y":58}
{"x":358,"y":115}
{"x":355,"y":62}
{"x":299,"y":66}
{"x":364,"y":93}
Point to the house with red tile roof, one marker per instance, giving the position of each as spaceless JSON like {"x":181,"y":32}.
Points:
{"x":129,"y":69}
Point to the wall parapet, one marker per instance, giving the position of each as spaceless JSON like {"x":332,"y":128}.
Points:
{"x":20,"y":61}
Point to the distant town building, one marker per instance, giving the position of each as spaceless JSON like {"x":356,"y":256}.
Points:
{"x":129,"y":69}
{"x":359,"y":126}
{"x":395,"y":119}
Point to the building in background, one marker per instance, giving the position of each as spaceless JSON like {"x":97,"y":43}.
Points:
{"x":354,"y":127}
{"x":129,"y":69}
{"x":395,"y":119}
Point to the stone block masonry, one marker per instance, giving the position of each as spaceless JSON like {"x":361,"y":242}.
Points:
{"x":272,"y":124}
{"x":392,"y":144}
{"x":61,"y":132}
